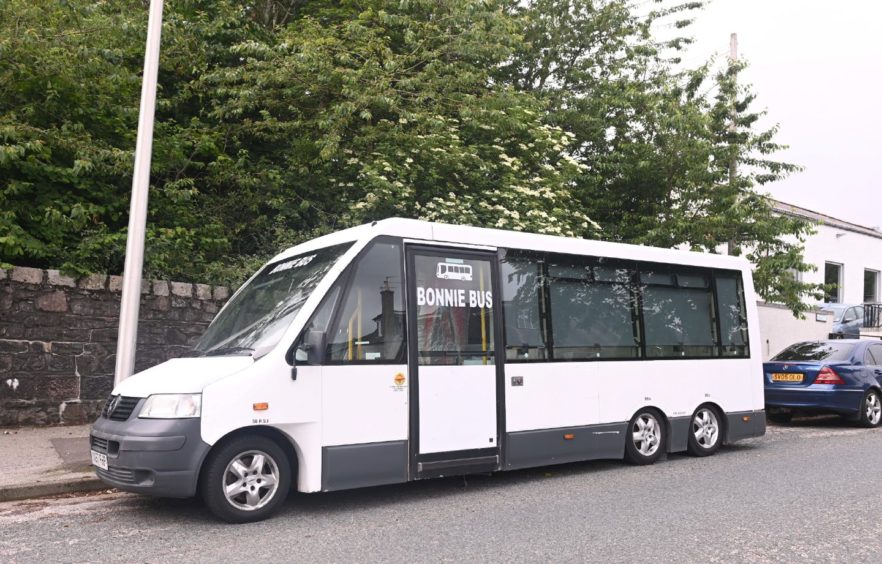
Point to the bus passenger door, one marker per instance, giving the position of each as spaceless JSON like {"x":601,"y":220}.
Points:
{"x":455,"y":396}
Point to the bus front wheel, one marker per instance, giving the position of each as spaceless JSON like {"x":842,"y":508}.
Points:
{"x":246,"y":480}
{"x":645,"y":439}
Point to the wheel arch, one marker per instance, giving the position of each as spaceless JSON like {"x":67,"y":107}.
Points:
{"x":286,"y":443}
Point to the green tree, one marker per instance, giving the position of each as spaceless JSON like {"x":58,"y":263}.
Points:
{"x":69,"y":94}
{"x":737,"y":211}
{"x":657,"y":144}
{"x":278,"y":120}
{"x":394,"y":112}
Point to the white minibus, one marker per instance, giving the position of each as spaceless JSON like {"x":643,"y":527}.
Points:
{"x":356,"y":359}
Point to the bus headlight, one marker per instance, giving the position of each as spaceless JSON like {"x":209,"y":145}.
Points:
{"x":172,"y":406}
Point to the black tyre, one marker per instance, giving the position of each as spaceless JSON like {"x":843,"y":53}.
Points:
{"x":246,"y":480}
{"x":705,"y":432}
{"x":645,"y":439}
{"x":871,"y":409}
{"x":779,"y":416}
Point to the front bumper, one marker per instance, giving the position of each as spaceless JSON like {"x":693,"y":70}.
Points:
{"x":846,"y":401}
{"x":159,"y":457}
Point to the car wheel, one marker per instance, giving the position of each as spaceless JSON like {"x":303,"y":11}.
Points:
{"x":871,"y":409}
{"x":780,"y":416}
{"x":705,"y":432}
{"x":646,"y":438}
{"x":246,"y":479}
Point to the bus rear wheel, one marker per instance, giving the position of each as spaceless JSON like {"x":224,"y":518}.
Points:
{"x":705,"y":432}
{"x":645,"y":439}
{"x":246,"y":480}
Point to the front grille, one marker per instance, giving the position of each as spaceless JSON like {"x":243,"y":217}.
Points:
{"x":122,"y":410}
{"x":117,"y":474}
{"x":99,"y":444}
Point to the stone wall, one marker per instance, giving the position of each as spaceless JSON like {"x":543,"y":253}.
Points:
{"x":58,"y":339}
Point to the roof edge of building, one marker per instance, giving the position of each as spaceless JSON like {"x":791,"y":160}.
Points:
{"x":823,"y":219}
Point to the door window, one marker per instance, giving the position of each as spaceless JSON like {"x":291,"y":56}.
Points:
{"x":454,"y":315}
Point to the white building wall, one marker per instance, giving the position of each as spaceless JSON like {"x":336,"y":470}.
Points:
{"x":779,"y":329}
{"x":856,"y":248}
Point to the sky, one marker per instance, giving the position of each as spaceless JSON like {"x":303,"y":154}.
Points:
{"x":816,"y":67}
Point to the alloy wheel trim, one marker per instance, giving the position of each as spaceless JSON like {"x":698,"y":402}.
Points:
{"x":250,"y":480}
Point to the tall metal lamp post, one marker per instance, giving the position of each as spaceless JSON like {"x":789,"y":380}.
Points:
{"x":134,"y":265}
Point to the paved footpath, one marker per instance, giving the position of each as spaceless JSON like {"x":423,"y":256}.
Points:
{"x":45,"y":461}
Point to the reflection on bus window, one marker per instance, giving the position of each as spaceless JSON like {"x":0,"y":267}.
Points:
{"x":370,"y":325}
{"x":678,"y":314}
{"x":523,"y":307}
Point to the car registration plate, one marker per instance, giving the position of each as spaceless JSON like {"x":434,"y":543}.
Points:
{"x":99,"y":460}
{"x":786,"y":377}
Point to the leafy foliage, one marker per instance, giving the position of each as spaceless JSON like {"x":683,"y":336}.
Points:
{"x":279,"y":120}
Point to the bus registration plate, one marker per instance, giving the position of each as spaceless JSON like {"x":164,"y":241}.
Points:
{"x":99,"y":460}
{"x":785,"y":377}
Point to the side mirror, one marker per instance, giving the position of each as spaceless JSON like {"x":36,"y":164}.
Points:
{"x":316,"y":345}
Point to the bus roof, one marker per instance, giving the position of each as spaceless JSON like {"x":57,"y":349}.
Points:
{"x":482,"y":237}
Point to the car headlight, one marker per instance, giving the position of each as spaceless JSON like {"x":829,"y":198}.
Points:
{"x":172,"y":406}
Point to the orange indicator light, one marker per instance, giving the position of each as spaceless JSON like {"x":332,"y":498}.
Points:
{"x":263,"y":406}
{"x":569,"y":436}
{"x":746,"y":418}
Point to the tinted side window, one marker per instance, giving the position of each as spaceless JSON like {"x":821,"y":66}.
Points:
{"x":369,"y":328}
{"x":592,"y":309}
{"x":678,"y":313}
{"x":733,"y":316}
{"x":523,"y":306}
{"x":874,"y":355}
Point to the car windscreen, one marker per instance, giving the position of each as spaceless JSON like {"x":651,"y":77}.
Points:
{"x":259,"y":313}
{"x":838,"y":313}
{"x":816,"y":350}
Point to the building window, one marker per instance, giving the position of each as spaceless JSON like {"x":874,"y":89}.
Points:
{"x":833,"y":279}
{"x":871,"y":286}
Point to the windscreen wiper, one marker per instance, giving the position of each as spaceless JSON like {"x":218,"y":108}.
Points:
{"x":192,"y":353}
{"x":228,"y":350}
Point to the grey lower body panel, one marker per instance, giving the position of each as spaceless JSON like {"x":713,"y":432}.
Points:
{"x":525,"y":449}
{"x":679,"y":438}
{"x":745,"y":425}
{"x":159,"y":457}
{"x":357,"y":466}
